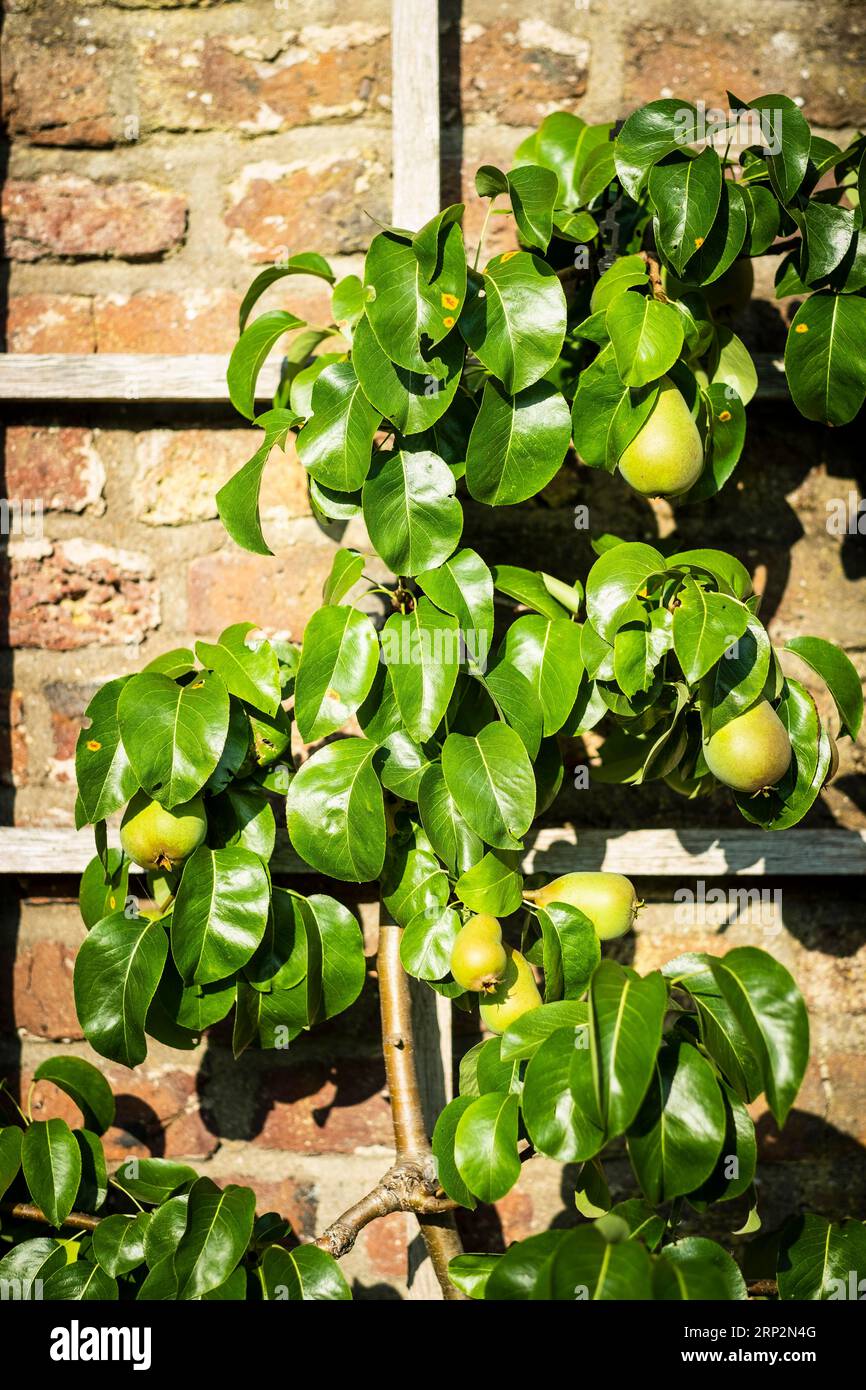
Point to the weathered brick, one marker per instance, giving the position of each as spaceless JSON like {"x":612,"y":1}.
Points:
{"x":163,"y":321}
{"x":71,"y":216}
{"x":77,"y":593}
{"x":232,"y":586}
{"x":180,"y":472}
{"x":385,"y":1242}
{"x":808,"y":59}
{"x":50,"y":323}
{"x":57,"y":94}
{"x":256,"y":85}
{"x":56,"y":466}
{"x":13,"y":739}
{"x":67,"y":701}
{"x":41,"y":996}
{"x":278,"y":209}
{"x":515,"y":72}
{"x":316,"y":1108}
{"x":292,"y":1198}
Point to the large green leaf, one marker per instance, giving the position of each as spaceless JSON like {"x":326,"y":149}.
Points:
{"x":220,"y":913}
{"x":679,"y":1131}
{"x":515,"y":318}
{"x":827,"y":234}
{"x":422,"y":652}
{"x":27,"y":1267}
{"x":413,"y":517}
{"x":84,"y":1084}
{"x":490,"y":778}
{"x":336,"y":445}
{"x":305,"y":263}
{"x":408,"y":312}
{"x":547,"y":651}
{"x":649,"y":134}
{"x":838,"y":673}
{"x":427,"y":942}
{"x":248,"y":669}
{"x":10,"y":1155}
{"x":705,"y":625}
{"x":173,"y":734}
{"x":571,"y":950}
{"x":81,"y":1282}
{"x":492,"y":884}
{"x":626,"y":1016}
{"x":238,"y":499}
{"x":686,"y":193}
{"x":337,"y":667}
{"x":559,"y":1107}
{"x":821,"y":1259}
{"x":646,"y":335}
{"x":721,"y":1033}
{"x":613,"y":581}
{"x":305,"y":1274}
{"x":517,"y":443}
{"x":786,"y":133}
{"x":637,"y":650}
{"x":118,"y":1242}
{"x":769,"y":1008}
{"x":529,"y":588}
{"x":696,"y":1268}
{"x":411,"y":400}
{"x":738,"y":679}
{"x":335,"y":812}
{"x":105,"y":778}
{"x":825,"y":361}
{"x":533,"y":193}
{"x":153,"y":1180}
{"x":463,"y":586}
{"x":51,"y":1161}
{"x":451,"y":836}
{"x":517,"y":702}
{"x":218,"y":1229}
{"x":607,"y":414}
{"x":249,"y":354}
{"x":443,"y":1141}
{"x":414,"y":882}
{"x":117,"y":971}
{"x":485,"y":1146}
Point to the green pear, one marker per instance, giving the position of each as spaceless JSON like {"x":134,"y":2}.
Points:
{"x":608,"y":900}
{"x":752,"y":752}
{"x":730,"y":293}
{"x":666,"y":455}
{"x":478,"y":958}
{"x":516,"y":995}
{"x":158,"y":838}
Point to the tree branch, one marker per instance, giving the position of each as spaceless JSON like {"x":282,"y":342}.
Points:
{"x":408,"y":1186}
{"x":28,"y":1211}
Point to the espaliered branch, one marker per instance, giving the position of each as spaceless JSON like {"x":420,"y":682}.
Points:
{"x":436,"y":380}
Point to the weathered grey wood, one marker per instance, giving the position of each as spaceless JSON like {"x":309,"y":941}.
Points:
{"x":415,"y":111}
{"x":123,"y":377}
{"x":555,"y":850}
{"x":200,"y":378}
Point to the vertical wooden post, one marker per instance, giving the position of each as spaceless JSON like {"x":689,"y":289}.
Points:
{"x":415,"y":199}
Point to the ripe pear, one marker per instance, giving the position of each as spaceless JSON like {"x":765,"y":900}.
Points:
{"x":608,"y":900}
{"x":730,"y":293}
{"x":752,"y":752}
{"x":478,"y":959}
{"x":666,"y":455}
{"x":157,"y":838}
{"x":516,"y":995}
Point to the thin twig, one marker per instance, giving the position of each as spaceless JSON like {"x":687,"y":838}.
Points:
{"x":28,"y":1211}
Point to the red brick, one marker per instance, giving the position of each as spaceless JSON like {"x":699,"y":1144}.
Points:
{"x":818,"y":62}
{"x":320,"y":204}
{"x":515,"y":73}
{"x":13,"y":739}
{"x":59,"y":467}
{"x":228,"y":82}
{"x":316,"y":1108}
{"x":385,"y":1242}
{"x":57,"y":94}
{"x":79,"y":594}
{"x":69,"y":216}
{"x":180,"y":472}
{"x":42,"y":1001}
{"x":50,"y":323}
{"x":162,"y":321}
{"x":232,"y":586}
{"x":66,"y":703}
{"x":291,"y":1198}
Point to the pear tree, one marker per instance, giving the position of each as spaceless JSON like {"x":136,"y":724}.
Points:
{"x":417,"y":734}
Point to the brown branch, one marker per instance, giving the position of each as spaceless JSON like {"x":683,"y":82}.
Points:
{"x":408,"y":1186}
{"x":28,"y":1211}
{"x":655,"y":274}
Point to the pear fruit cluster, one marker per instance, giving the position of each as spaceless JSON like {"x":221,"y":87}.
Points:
{"x":666,"y":456}
{"x":608,"y":900}
{"x":158,"y":838}
{"x":752,"y":752}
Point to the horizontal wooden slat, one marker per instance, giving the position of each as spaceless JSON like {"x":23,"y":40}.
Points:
{"x":124,"y":378}
{"x":638,"y":853}
{"x":199,"y":377}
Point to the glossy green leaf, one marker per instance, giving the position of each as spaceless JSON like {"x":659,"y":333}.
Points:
{"x":10,"y":1155}
{"x":444,"y":1136}
{"x":338,"y":663}
{"x":613,"y":581}
{"x":249,"y":353}
{"x":407,"y":312}
{"x":646,"y":335}
{"x":686,"y":193}
{"x":515,"y":318}
{"x":422,"y":652}
{"x":451,"y":836}
{"x":411,"y":400}
{"x":336,"y":445}
{"x":218,"y":1229}
{"x":571,"y":950}
{"x":118,"y":1242}
{"x":705,"y":625}
{"x":463,"y":586}
{"x":820,"y":1259}
{"x":607,"y":414}
{"x":117,"y":971}
{"x":679,"y":1131}
{"x":413,"y":516}
{"x":517,"y":703}
{"x":824,"y":357}
{"x":528,"y":587}
{"x":492,"y":885}
{"x":238,"y":500}
{"x":346,"y":569}
{"x":649,"y":134}
{"x":470,"y":1273}
{"x":173,"y":734}
{"x":559,"y":1107}
{"x":106,"y":780}
{"x":248,"y":667}
{"x":427,"y":942}
{"x":27,"y":1267}
{"x":80,"y":1282}
{"x":93,"y":1185}
{"x":785,"y":130}
{"x":51,"y":1161}
{"x":522,"y":1039}
{"x":626,"y":271}
{"x":699,"y":1265}
{"x":485,"y":1146}
{"x":533,"y":197}
{"x":517,"y":444}
{"x":220,"y":913}
{"x":547,"y":651}
{"x":305,"y":263}
{"x":626,"y":1016}
{"x":153,"y":1180}
{"x":737,"y":680}
{"x":335,"y":812}
{"x":839,"y":675}
{"x":304,"y":1274}
{"x":490,"y":778}
{"x":84,"y":1084}
{"x":103,"y":888}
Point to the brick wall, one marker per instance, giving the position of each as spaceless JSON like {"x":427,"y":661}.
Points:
{"x":160,"y":153}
